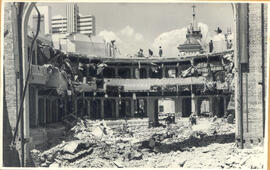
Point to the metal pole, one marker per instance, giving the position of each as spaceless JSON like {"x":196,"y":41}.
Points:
{"x":19,"y":23}
{"x":241,"y":106}
{"x":263,"y":65}
{"x":247,"y":100}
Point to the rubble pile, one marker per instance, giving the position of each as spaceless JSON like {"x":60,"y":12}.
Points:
{"x":91,"y":141}
{"x":209,"y":144}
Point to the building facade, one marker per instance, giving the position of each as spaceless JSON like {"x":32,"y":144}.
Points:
{"x":45,"y":20}
{"x":74,"y":22}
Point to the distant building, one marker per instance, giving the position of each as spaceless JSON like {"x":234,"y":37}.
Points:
{"x":74,"y":22}
{"x":83,"y":44}
{"x":45,"y":20}
{"x":87,"y":24}
{"x":59,"y":25}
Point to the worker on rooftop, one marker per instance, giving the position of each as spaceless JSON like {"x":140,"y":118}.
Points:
{"x":218,"y":31}
{"x":211,"y":46}
{"x":229,"y":45}
{"x":160,"y":52}
{"x":140,"y":53}
{"x":150,"y":52}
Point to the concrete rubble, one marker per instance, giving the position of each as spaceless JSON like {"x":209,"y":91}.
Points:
{"x":104,"y":144}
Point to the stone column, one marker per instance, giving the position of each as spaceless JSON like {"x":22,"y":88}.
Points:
{"x":45,"y":110}
{"x":211,"y":101}
{"x":132,"y":108}
{"x":89,"y":108}
{"x":225,"y":104}
{"x":216,"y":106}
{"x":163,"y":71}
{"x":56,"y":110}
{"x":102,"y":108}
{"x":116,"y":108}
{"x":50,"y":111}
{"x":75,"y":106}
{"x":194,"y":104}
{"x":151,"y":110}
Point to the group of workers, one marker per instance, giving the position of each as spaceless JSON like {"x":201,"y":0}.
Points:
{"x":150,"y":52}
{"x":227,"y":46}
{"x":211,"y":45}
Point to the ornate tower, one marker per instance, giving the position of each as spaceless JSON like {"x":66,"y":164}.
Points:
{"x":193,"y":37}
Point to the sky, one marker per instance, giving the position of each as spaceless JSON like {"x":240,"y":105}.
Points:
{"x":150,"y":25}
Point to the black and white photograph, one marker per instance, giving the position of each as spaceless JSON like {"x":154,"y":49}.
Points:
{"x":114,"y":84}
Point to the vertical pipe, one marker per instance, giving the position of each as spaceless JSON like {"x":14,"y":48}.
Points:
{"x":19,"y":23}
{"x":263,"y":65}
{"x":247,"y":100}
{"x":241,"y":107}
{"x":238,"y":71}
{"x":243,"y":47}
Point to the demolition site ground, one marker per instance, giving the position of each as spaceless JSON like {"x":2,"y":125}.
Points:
{"x":103,"y":144}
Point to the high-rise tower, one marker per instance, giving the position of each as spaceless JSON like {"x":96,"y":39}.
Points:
{"x":72,"y":17}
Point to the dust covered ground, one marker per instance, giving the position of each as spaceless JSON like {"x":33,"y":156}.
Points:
{"x":99,"y":144}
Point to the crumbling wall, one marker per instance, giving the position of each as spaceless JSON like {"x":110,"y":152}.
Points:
{"x":10,"y":157}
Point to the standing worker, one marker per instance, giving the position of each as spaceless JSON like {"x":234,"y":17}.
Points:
{"x":160,"y":52}
{"x":150,"y":52}
{"x":211,"y":46}
{"x":140,"y":53}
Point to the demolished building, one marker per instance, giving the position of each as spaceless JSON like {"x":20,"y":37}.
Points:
{"x":98,"y":87}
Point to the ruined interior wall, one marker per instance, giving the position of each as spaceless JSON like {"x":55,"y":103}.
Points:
{"x":252,"y":81}
{"x":10,"y":157}
{"x":43,"y":138}
{"x":9,"y":67}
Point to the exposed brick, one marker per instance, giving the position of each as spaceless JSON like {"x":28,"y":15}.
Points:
{"x":255,"y":114}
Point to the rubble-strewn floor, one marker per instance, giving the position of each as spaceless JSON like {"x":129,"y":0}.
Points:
{"x":209,"y":144}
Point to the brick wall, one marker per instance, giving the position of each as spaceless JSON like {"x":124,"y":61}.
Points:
{"x":9,"y":67}
{"x":10,"y":157}
{"x":252,"y":87}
